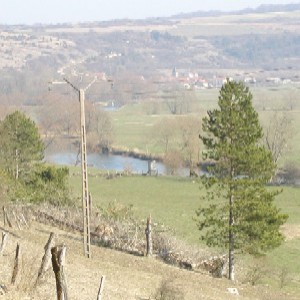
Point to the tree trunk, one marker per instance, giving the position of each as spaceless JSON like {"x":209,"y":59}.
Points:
{"x":231,"y":239}
{"x":17,"y":165}
{"x":58,"y":259}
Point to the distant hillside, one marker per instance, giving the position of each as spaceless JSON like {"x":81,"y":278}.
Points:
{"x":264,"y":8}
{"x":267,"y":8}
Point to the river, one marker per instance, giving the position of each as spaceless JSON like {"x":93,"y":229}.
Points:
{"x":106,"y":162}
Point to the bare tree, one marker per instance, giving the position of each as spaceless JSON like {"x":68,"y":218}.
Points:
{"x":178,"y":99}
{"x":189,"y":128}
{"x":179,"y":139}
{"x":277,"y":134}
{"x":59,"y":115}
{"x":173,"y":161}
{"x":164,"y":134}
{"x":99,"y":128}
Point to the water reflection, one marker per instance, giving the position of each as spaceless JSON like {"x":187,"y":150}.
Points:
{"x":105,"y":162}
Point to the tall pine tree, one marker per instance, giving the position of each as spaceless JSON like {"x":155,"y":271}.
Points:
{"x":241,"y":214}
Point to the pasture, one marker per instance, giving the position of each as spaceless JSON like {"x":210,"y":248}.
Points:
{"x":172,"y":201}
{"x":133,"y":123}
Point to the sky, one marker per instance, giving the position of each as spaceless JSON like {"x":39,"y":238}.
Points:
{"x":65,"y":11}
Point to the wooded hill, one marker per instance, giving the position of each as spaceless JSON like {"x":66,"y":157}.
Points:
{"x":263,"y":42}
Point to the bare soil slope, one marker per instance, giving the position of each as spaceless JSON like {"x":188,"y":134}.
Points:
{"x":127,"y":276}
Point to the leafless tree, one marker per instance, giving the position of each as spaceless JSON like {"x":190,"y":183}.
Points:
{"x":99,"y":128}
{"x":189,"y":128}
{"x":164,"y":133}
{"x":173,"y":161}
{"x":277,"y":134}
{"x":179,"y":138}
{"x":178,"y":99}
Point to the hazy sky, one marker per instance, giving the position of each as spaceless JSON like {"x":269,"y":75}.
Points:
{"x":59,"y":11}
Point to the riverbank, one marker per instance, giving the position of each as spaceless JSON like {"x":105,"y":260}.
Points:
{"x":135,"y":154}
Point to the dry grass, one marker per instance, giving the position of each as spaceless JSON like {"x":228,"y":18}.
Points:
{"x":127,"y":276}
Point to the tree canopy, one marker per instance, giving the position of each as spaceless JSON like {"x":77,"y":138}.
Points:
{"x":21,"y":154}
{"x":20,"y":144}
{"x":241,"y":214}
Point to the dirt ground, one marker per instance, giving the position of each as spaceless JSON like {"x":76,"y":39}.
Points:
{"x":291,"y":231}
{"x":127,"y":276}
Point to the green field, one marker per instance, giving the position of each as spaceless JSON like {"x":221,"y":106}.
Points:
{"x":172,"y":201}
{"x":133,"y":123}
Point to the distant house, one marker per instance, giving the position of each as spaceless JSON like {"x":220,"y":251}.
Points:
{"x":201,"y":84}
{"x":274,"y":80}
{"x":286,"y":81}
{"x":250,"y":80}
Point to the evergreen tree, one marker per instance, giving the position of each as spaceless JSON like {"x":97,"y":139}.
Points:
{"x":241,"y":214}
{"x":20,"y":144}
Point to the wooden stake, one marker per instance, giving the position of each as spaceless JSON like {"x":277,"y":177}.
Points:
{"x":101,"y":287}
{"x":58,"y":260}
{"x":3,"y":289}
{"x":17,"y":221}
{"x":17,"y":266}
{"x":3,"y":242}
{"x":46,"y":260}
{"x":148,"y":237}
{"x":6,"y":219}
{"x":4,"y":216}
{"x":24,"y":220}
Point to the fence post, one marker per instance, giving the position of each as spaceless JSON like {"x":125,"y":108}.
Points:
{"x":6,"y":219}
{"x":17,"y":266}
{"x":16,"y":219}
{"x":46,"y":260}
{"x":3,"y":241}
{"x":24,"y":220}
{"x":99,"y":297}
{"x":148,"y":237}
{"x":58,"y":260}
{"x":4,"y":216}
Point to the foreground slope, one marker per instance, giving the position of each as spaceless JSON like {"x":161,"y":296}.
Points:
{"x":127,"y":276}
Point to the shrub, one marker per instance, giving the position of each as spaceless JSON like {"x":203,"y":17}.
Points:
{"x":167,"y":291}
{"x":44,"y":184}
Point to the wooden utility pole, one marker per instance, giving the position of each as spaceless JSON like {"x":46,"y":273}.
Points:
{"x":85,"y":190}
{"x":86,"y":209}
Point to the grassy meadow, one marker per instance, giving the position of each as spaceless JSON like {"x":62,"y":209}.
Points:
{"x":134,"y":123}
{"x":172,"y":201}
